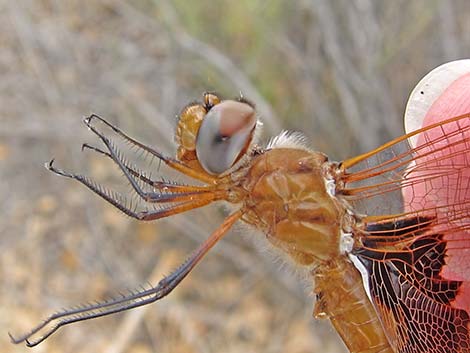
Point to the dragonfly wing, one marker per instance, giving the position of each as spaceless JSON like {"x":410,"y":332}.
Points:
{"x":414,"y":240}
{"x":404,"y":259}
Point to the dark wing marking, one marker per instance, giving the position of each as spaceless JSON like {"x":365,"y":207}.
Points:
{"x":412,"y":299}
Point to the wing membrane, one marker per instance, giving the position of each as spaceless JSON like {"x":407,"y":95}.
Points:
{"x":414,"y":240}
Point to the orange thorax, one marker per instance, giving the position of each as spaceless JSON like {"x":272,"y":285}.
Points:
{"x":286,"y":199}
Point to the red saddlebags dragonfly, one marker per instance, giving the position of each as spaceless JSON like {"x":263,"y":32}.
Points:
{"x":385,"y":235}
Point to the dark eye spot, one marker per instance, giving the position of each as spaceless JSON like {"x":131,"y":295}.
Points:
{"x":220,"y":138}
{"x":422,"y":92}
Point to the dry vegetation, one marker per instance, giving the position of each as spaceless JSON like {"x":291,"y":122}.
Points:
{"x":340,"y":71}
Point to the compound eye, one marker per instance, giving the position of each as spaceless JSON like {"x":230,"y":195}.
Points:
{"x":225,"y":135}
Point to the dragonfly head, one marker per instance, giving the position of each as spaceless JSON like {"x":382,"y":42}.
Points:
{"x":214,"y":135}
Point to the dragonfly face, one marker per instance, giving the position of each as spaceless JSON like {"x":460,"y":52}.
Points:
{"x":379,"y":276}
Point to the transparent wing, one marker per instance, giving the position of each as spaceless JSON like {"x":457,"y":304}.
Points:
{"x":414,"y":239}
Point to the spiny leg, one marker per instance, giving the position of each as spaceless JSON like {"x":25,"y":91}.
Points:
{"x":171,"y":162}
{"x":186,"y":202}
{"x":157,"y":184}
{"x":147,"y":196}
{"x":163,"y":288}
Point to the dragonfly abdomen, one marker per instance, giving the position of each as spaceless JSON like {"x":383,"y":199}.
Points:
{"x":341,"y":298}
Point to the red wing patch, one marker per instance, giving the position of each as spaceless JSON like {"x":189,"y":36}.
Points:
{"x":407,"y":290}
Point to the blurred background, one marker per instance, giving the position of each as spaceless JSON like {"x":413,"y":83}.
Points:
{"x":340,"y":71}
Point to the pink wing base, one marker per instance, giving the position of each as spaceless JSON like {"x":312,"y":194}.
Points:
{"x":448,"y":196}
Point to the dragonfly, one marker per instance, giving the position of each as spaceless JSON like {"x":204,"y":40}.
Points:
{"x":384,"y":235}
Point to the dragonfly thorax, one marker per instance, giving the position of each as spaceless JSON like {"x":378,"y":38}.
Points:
{"x":286,"y":198}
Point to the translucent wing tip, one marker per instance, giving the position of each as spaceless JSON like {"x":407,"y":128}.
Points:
{"x":434,"y":86}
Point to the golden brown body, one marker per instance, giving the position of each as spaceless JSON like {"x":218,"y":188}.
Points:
{"x":279,"y":201}
{"x":341,"y":298}
{"x":284,"y":196}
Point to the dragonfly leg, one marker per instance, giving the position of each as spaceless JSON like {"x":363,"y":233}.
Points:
{"x":156,"y":184}
{"x":126,"y":302}
{"x":171,"y":162}
{"x":186,"y":202}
